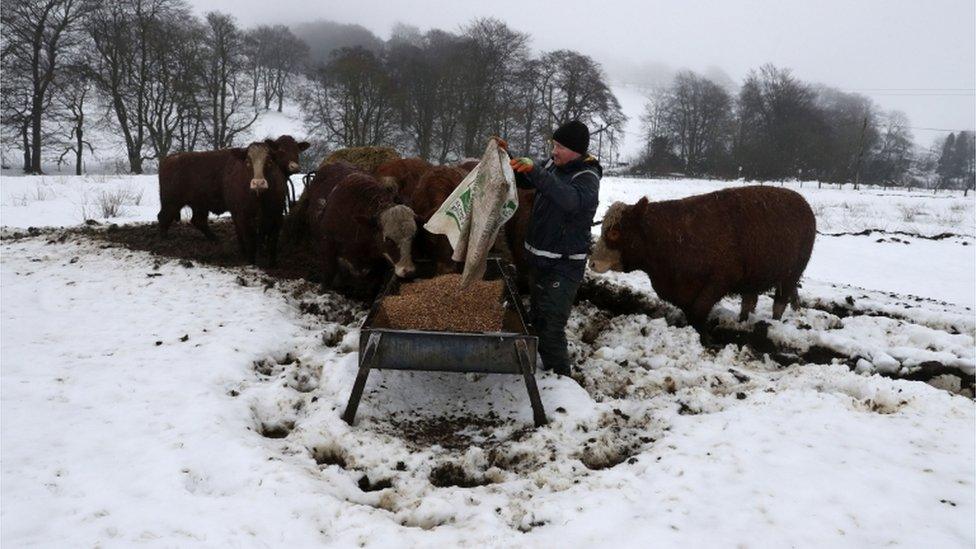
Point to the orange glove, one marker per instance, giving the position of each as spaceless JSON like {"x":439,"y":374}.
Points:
{"x":501,"y":142}
{"x":521,"y":165}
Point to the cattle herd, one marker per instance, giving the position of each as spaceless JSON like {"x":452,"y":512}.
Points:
{"x":362,"y":220}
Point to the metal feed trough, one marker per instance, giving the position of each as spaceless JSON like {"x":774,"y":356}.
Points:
{"x":510,"y":351}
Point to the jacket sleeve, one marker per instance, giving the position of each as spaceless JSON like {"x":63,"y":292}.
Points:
{"x":569,"y":197}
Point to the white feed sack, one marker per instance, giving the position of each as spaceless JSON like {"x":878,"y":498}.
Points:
{"x":472,"y":216}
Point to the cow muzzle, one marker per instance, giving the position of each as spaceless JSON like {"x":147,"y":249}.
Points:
{"x":405,"y":269}
{"x":293,"y":167}
{"x":604,"y":259}
{"x":599,"y":266}
{"x":259,"y":185}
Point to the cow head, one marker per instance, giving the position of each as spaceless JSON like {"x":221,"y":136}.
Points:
{"x":606,"y":253}
{"x":259,"y":158}
{"x":397,"y":227}
{"x":287,"y":153}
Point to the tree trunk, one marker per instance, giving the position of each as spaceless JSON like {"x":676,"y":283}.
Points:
{"x":78,"y":148}
{"x":27,"y":147}
{"x":135,"y":162}
{"x":35,"y":166}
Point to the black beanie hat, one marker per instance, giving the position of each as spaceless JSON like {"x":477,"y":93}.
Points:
{"x":573,"y":135}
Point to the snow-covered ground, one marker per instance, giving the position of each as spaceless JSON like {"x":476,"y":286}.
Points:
{"x":147,"y":402}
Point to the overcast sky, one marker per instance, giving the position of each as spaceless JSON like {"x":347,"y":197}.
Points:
{"x":918,"y":56}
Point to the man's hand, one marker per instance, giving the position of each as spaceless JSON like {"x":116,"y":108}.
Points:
{"x":501,"y":142}
{"x":521,"y":165}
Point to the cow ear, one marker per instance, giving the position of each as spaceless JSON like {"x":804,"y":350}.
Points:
{"x":304,"y":145}
{"x":271,"y":143}
{"x":613,"y":235}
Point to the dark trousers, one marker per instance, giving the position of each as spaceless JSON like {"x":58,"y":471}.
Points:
{"x":550,"y":302}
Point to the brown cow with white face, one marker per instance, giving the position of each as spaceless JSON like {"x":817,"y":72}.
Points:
{"x":362,"y":230}
{"x":255,"y":190}
{"x":698,"y":249}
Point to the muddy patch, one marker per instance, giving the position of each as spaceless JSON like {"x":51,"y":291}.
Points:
{"x":277,"y":429}
{"x":449,"y":432}
{"x":619,"y":300}
{"x":452,"y":474}
{"x":366,"y":485}
{"x":187,"y":244}
{"x":330,"y":454}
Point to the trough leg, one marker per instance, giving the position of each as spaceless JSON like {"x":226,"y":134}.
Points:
{"x":357,"y":388}
{"x":538,"y":413}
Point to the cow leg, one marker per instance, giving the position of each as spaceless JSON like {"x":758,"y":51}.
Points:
{"x":698,"y":312}
{"x":199,"y":220}
{"x":167,"y":215}
{"x":330,"y":263}
{"x":794,"y":296}
{"x":273,"y":229}
{"x":749,"y":301}
{"x":245,"y":238}
{"x":779,"y":301}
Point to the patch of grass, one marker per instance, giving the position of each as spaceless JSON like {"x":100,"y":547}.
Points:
{"x":112,"y":203}
{"x":911,"y":211}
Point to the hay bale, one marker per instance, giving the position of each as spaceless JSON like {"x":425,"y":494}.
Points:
{"x":364,"y":158}
{"x":437,"y":304}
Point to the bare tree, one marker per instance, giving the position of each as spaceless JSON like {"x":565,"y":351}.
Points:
{"x":893,"y":154}
{"x":697,"y":119}
{"x":274,"y":54}
{"x":16,"y":113}
{"x":425,"y":72}
{"x":74,"y":99}
{"x":572,"y":87}
{"x":350,"y":101}
{"x":37,"y":34}
{"x":225,"y":81}
{"x":778,"y":124}
{"x":415,"y":81}
{"x":494,"y":55}
{"x":124,"y":34}
{"x":176,"y":68}
{"x":449,"y":54}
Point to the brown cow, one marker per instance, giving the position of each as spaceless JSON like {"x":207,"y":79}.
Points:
{"x":287,"y":153}
{"x":254,"y":190}
{"x":698,"y":249}
{"x":312,"y":201}
{"x":195,"y":179}
{"x":361,"y":230}
{"x":405,"y":173}
{"x":192,"y":179}
{"x":431,"y":191}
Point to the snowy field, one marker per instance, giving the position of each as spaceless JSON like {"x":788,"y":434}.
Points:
{"x":148,"y":402}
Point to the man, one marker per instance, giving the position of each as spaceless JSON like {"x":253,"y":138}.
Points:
{"x":558,"y":239}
